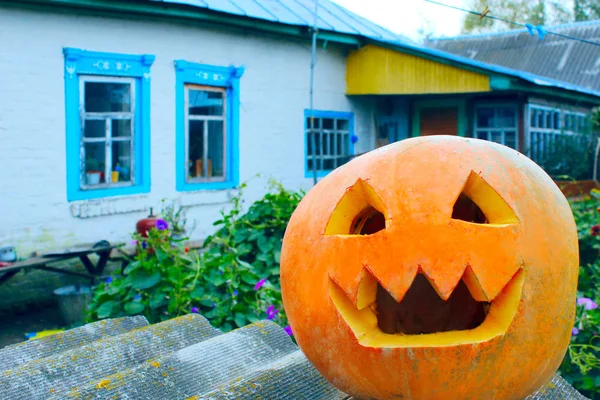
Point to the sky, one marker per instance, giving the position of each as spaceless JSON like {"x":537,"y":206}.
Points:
{"x":406,"y":17}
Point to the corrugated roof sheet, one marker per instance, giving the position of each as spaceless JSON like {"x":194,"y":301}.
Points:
{"x":553,"y":57}
{"x":331,"y":17}
{"x":182,"y":358}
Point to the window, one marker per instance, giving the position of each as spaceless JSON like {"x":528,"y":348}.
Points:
{"x":497,"y":124}
{"x":328,"y":140}
{"x":207,"y":152}
{"x":108,"y":124}
{"x":550,"y":127}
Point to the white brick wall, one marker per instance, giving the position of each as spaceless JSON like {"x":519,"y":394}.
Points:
{"x":35,"y":214}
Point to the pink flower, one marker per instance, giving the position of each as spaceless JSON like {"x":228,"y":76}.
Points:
{"x":259,"y":284}
{"x":587,"y":304}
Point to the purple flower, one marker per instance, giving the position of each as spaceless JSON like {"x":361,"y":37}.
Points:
{"x":235,"y":293}
{"x":134,"y":242}
{"x":271,"y":312}
{"x":259,"y":284}
{"x":288,"y":330}
{"x":161,"y":224}
{"x":195,"y":310}
{"x":575,"y":331}
{"x":587,"y":304}
{"x":214,"y":304}
{"x":108,"y":280}
{"x":137,"y":296}
{"x":144,"y":245}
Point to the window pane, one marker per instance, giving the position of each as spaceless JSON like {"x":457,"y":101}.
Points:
{"x":327,"y":123}
{"x":94,"y":128}
{"x":216,"y":159}
{"x":325,"y":144}
{"x":95,"y":158}
{"x":196,"y":149}
{"x":556,"y":120}
{"x":121,"y":161}
{"x":205,"y":102}
{"x":496,"y":137}
{"x":343,"y":124}
{"x":309,"y":143}
{"x":510,"y":139}
{"x":533,"y":115}
{"x":506,"y":117}
{"x":332,"y":149}
{"x":317,"y":123}
{"x":121,"y":128}
{"x":482,"y":135}
{"x":485,"y":117}
{"x":328,"y":164}
{"x":540,"y":119}
{"x":107,"y":97}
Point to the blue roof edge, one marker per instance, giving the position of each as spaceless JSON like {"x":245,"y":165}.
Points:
{"x":532,"y":78}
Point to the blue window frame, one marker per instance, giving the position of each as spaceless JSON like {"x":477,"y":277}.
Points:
{"x":207,"y":126}
{"x":333,"y":134}
{"x":107,"y":106}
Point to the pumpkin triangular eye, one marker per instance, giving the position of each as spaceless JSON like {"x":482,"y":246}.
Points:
{"x":359,"y":212}
{"x":479,"y":203}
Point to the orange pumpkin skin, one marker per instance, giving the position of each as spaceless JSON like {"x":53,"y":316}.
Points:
{"x":418,"y":181}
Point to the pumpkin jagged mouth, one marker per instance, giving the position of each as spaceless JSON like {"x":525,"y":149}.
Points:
{"x":422,"y":318}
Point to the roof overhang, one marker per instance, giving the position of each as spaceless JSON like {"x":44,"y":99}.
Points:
{"x":399,"y":68}
{"x":172,"y":11}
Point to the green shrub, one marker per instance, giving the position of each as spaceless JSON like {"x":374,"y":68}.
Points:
{"x":235,"y":281}
{"x":581,"y":366}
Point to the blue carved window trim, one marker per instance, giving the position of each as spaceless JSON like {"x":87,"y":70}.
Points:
{"x":227,"y":79}
{"x":80,"y":64}
{"x":345,"y":133}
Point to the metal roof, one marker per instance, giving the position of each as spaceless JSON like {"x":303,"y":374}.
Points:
{"x":181,"y":358}
{"x":331,"y":16}
{"x":554,"y":57}
{"x":334,"y":18}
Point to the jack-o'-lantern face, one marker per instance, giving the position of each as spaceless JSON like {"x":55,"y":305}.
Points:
{"x":434,"y":262}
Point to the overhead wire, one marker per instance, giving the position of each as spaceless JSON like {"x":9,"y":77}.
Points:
{"x":541,"y":31}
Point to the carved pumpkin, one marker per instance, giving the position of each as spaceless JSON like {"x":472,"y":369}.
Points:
{"x":434,"y":268}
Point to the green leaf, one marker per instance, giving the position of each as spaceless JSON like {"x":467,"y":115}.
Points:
{"x":263,"y":244}
{"x":132,"y":266}
{"x":134,"y":307}
{"x":249,"y":278}
{"x":218,"y":280}
{"x":106,"y":309}
{"x":197,"y":293}
{"x":240,"y":320}
{"x":157,"y":300}
{"x":142,"y":280}
{"x":206,"y":302}
{"x":277,"y":256}
{"x":173,"y":305}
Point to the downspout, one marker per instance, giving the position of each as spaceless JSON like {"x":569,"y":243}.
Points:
{"x":313,"y":61}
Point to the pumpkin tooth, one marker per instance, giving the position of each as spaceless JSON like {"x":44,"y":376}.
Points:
{"x":445,"y":280}
{"x":367,"y":289}
{"x":474,"y":285}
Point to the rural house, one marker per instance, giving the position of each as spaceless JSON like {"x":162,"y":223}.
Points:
{"x":106,"y":108}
